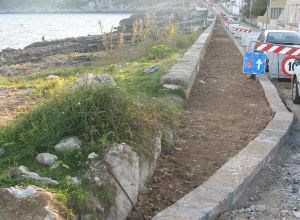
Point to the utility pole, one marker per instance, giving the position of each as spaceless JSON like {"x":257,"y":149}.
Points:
{"x":250,"y":16}
{"x":268,"y":15}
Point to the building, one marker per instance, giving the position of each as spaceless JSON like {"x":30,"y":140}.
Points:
{"x":234,"y":6}
{"x":270,"y":19}
{"x":290,"y":16}
{"x":281,"y":14}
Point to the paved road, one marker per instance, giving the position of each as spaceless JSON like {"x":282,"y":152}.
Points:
{"x":276,"y":195}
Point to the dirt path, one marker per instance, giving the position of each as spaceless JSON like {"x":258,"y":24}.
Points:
{"x":226,"y":111}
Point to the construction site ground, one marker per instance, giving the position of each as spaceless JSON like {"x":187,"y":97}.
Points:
{"x":225,"y":112}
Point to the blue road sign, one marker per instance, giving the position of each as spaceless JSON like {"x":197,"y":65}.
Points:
{"x":255,"y":63}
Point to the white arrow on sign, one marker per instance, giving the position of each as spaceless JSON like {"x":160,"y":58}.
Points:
{"x":259,"y":63}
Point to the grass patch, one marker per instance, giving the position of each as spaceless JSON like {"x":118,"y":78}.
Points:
{"x":99,"y":116}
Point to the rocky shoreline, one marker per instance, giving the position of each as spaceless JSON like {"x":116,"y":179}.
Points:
{"x":11,"y":59}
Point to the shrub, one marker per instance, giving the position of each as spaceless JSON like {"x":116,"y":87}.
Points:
{"x":159,"y":52}
{"x":93,"y":114}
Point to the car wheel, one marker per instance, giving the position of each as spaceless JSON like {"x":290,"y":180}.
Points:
{"x":295,"y":92}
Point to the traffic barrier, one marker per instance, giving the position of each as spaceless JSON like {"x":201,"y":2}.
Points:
{"x":279,"y":65}
{"x":249,"y":37}
{"x":232,"y":26}
{"x":280,"y":49}
{"x":243,"y":30}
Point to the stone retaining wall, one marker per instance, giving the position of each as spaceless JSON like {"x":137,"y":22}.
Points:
{"x":182,"y":75}
{"x":222,"y":190}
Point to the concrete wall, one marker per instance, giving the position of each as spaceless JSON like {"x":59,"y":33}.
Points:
{"x":222,"y":190}
{"x":182,"y":75}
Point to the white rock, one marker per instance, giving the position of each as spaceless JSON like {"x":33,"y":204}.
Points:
{"x":297,"y":214}
{"x":284,"y":213}
{"x":2,"y":152}
{"x":125,"y":165}
{"x":242,"y":210}
{"x":45,"y":180}
{"x":46,"y":159}
{"x":68,"y":144}
{"x":171,"y":86}
{"x":91,"y":80}
{"x":50,"y":77}
{"x":93,"y":156}
{"x":75,"y":181}
{"x":51,"y":215}
{"x":98,"y":181}
{"x":258,"y":208}
{"x":21,"y":193}
{"x":147,"y":165}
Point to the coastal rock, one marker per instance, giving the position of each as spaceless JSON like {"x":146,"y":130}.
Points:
{"x":125,"y":165}
{"x":21,"y":193}
{"x":69,"y":144}
{"x":46,"y":159}
{"x":28,"y":174}
{"x":92,"y":80}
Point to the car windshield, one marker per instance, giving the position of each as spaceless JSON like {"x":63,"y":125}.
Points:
{"x":287,"y":38}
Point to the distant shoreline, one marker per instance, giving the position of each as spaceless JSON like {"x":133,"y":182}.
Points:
{"x":73,"y":12}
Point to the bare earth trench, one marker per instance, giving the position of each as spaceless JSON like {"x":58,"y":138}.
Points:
{"x":225,"y":112}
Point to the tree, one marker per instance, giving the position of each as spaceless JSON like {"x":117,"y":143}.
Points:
{"x":259,"y":8}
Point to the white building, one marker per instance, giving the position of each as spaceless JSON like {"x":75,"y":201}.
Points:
{"x":290,"y":16}
{"x":234,"y":6}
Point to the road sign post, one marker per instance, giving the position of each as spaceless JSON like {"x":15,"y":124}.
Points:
{"x":255,"y":63}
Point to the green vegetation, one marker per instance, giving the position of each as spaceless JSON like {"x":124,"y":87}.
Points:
{"x":132,"y":112}
{"x":259,"y":8}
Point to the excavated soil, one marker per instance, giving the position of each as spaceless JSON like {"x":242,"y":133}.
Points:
{"x":225,"y":112}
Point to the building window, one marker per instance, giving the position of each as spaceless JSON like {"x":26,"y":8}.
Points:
{"x":275,"y":13}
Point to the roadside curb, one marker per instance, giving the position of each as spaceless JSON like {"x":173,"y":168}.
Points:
{"x":183,"y":74}
{"x":222,"y":190}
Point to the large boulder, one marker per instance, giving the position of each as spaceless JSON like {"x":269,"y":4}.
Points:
{"x":46,"y":159}
{"x":147,"y":164}
{"x":30,"y":203}
{"x":125,"y":165}
{"x":69,"y":144}
{"x":21,"y":193}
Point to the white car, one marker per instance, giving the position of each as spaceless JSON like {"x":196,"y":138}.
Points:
{"x":296,"y":83}
{"x":281,"y":37}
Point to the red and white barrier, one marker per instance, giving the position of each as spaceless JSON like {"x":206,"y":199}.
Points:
{"x":277,"y":49}
{"x":242,"y":30}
